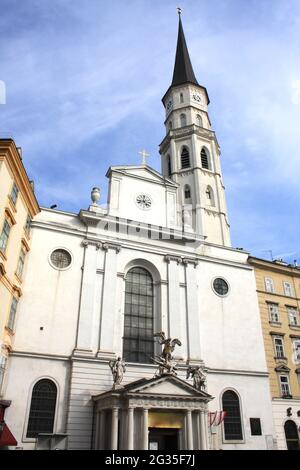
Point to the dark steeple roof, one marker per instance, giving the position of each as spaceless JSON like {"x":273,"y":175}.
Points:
{"x":183,"y":70}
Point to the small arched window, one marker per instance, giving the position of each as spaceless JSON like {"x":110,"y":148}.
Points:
{"x":187,"y":192}
{"x":182,"y":120}
{"x":232,"y":420}
{"x":199,"y":120}
{"x":42,"y":408}
{"x":185,"y":158}
{"x":210,"y":196}
{"x":170,"y":125}
{"x":138,"y":343}
{"x":205,"y":160}
{"x":169,"y":167}
{"x":181,"y":97}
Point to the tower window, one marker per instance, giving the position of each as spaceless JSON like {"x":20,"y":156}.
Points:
{"x":170,"y":125}
{"x":187,"y":192}
{"x":181,"y":97}
{"x":205,"y":159}
{"x":182,"y":120}
{"x":185,"y":158}
{"x":199,"y":120}
{"x":169,"y":167}
{"x":138,"y":344}
{"x":210,"y":196}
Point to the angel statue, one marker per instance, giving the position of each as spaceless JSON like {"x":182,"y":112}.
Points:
{"x":165,"y":361}
{"x":118,"y":367}
{"x":199,"y":378}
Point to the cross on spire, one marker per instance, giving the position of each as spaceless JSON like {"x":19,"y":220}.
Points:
{"x":144,"y":156}
{"x":179,"y":11}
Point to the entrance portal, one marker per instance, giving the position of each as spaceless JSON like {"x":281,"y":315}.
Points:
{"x":291,"y":435}
{"x":163,"y":439}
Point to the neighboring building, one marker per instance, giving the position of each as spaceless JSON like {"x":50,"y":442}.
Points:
{"x":278,"y":290}
{"x":157,"y":258}
{"x":18,"y":206}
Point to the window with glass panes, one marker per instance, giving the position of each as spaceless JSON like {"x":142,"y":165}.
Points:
{"x":42,"y":408}
{"x":278,"y":343}
{"x":21,"y":263}
{"x":28,"y":224}
{"x":14,"y":193}
{"x":293,"y":316}
{"x":138,"y":343}
{"x":284,"y":385}
{"x":287,"y":289}
{"x":297,"y":350}
{"x":273,"y":312}
{"x":4,"y":236}
{"x":12,"y":314}
{"x":269,"y":284}
{"x":232,"y":420}
{"x":3,"y":361}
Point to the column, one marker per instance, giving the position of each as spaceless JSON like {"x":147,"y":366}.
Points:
{"x":145,"y":430}
{"x":206,"y":429}
{"x":114,"y":428}
{"x":97,"y":430}
{"x":173,"y":296}
{"x":101,"y":440}
{"x":130,"y":430}
{"x":189,"y":426}
{"x":192,"y":306}
{"x":109,"y":296}
{"x":203,"y":441}
{"x":86,"y":309}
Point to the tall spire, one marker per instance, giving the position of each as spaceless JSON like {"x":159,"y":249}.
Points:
{"x":183,"y":70}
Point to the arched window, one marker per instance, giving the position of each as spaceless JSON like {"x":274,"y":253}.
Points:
{"x":205,"y":160}
{"x":181,"y":97}
{"x":42,"y":408}
{"x":291,"y":435}
{"x":210,"y":196}
{"x":232,"y":420}
{"x":138,"y":345}
{"x":199,"y":120}
{"x":169,"y":167}
{"x":182,"y":120}
{"x":170,"y":125}
{"x":187,"y":192}
{"x":185,"y":158}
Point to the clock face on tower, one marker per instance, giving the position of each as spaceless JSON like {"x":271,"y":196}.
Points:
{"x":143,"y":201}
{"x":197,"y":97}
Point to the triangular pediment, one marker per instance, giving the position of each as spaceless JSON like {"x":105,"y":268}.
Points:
{"x":169,"y":385}
{"x":143,"y":172}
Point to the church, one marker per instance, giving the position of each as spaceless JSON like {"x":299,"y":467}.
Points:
{"x":110,"y":288}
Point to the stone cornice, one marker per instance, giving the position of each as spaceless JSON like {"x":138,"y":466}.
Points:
{"x":187,"y":131}
{"x":9,"y":153}
{"x":262,"y":264}
{"x":111,"y":246}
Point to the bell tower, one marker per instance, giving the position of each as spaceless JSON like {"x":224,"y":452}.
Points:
{"x":190,"y":153}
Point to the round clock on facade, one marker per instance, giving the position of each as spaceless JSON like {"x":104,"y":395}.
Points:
{"x":143,"y":201}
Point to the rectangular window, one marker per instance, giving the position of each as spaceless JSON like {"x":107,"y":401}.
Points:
{"x":28,"y":224}
{"x":21,"y":263}
{"x":297,"y":350}
{"x":4,"y":236}
{"x":255,"y":426}
{"x":12,"y":314}
{"x":269,"y":284}
{"x":284,"y":385}
{"x":3,"y":361}
{"x":279,"y":351}
{"x":287,"y":287}
{"x":273,"y":313}
{"x":293,"y":316}
{"x":14,"y":194}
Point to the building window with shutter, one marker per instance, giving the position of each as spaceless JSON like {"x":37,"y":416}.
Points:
{"x":273,"y":313}
{"x":293,"y":316}
{"x":4,"y":236}
{"x":288,"y":291}
{"x":278,"y":347}
{"x":284,"y":386}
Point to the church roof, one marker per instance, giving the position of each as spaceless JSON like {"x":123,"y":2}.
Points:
{"x":183,"y":70}
{"x":143,"y":172}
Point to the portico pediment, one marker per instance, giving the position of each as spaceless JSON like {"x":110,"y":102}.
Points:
{"x":142,"y":172}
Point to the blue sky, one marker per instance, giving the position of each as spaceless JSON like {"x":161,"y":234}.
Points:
{"x":84,"y":81}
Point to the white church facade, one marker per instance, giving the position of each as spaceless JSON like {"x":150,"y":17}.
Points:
{"x":100,"y":284}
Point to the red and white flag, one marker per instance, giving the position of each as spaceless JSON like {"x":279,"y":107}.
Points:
{"x":216,"y":417}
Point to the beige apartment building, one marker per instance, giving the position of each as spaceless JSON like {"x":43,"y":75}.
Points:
{"x":278,"y":290}
{"x":18,"y":205}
